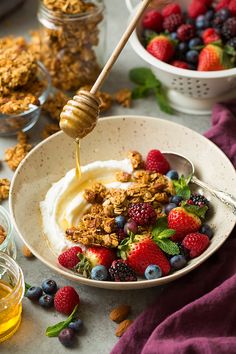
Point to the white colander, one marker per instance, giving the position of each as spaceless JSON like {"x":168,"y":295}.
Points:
{"x":189,"y":91}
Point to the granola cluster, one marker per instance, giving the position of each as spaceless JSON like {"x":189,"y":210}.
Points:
{"x":3,"y":234}
{"x":97,"y":226}
{"x":4,"y":189}
{"x":15,"y":154}
{"x":66,"y":45}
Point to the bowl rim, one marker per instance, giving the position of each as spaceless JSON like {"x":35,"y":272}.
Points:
{"x":42,"y":97}
{"x":111,"y":284}
{"x":170,"y":69}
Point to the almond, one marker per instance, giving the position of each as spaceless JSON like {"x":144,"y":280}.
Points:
{"x":26,"y":252}
{"x":120,"y":313}
{"x":122,"y":327}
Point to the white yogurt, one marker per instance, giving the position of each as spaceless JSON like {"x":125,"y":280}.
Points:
{"x":64,"y":204}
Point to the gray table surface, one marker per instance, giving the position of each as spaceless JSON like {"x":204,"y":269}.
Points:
{"x":98,"y":335}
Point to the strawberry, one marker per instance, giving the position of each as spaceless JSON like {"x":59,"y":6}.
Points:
{"x":196,"y":8}
{"x":157,"y":162}
{"x":161,"y":47}
{"x":140,"y":251}
{"x":210,"y":35}
{"x":232,"y":7}
{"x":183,"y":222}
{"x":66,"y":299}
{"x":180,"y":64}
{"x":211,"y":59}
{"x":152,"y":20}
{"x":170,"y":9}
{"x":93,"y":256}
{"x":221,"y":4}
{"x":196,"y":243}
{"x":69,"y":258}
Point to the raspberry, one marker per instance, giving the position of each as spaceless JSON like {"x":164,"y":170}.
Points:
{"x":232,"y":7}
{"x":171,"y":9}
{"x":66,"y":299}
{"x":196,"y":8}
{"x":157,"y":162}
{"x":69,"y":258}
{"x":172,"y":22}
{"x":210,"y":35}
{"x":152,"y":20}
{"x":185,"y":32}
{"x":229,"y":28}
{"x":180,"y":64}
{"x":196,"y":243}
{"x":142,"y":213}
{"x":222,"y":4}
{"x":119,"y":271}
{"x":199,"y":200}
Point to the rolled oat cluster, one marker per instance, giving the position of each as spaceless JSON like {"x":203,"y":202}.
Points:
{"x":69,"y":34}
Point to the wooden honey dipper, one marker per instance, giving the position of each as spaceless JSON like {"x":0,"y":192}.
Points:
{"x":79,"y":116}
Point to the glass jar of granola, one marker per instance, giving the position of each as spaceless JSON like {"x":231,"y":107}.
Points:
{"x":72,"y":41}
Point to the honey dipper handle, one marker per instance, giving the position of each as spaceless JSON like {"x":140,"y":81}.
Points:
{"x":124,"y":39}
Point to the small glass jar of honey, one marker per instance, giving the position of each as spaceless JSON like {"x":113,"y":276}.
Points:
{"x":11,"y":295}
{"x":7,"y":243}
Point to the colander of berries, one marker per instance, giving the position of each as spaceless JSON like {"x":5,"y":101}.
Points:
{"x":191,"y":48}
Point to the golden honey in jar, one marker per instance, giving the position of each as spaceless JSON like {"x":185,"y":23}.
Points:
{"x":11,"y":294}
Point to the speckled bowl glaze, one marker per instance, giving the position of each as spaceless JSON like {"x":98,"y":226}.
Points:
{"x":111,"y":139}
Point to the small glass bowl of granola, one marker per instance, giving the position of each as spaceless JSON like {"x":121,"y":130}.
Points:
{"x":20,"y":108}
{"x":7,"y":243}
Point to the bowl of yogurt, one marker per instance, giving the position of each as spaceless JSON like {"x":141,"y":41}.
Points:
{"x":46,"y":186}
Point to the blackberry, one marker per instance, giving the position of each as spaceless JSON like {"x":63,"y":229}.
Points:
{"x":232,"y":42}
{"x":185,"y":32}
{"x":229,"y":28}
{"x":119,"y":271}
{"x":142,"y":213}
{"x":172,"y":22}
{"x":199,"y":200}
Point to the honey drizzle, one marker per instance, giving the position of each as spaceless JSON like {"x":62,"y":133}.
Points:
{"x":77,"y":157}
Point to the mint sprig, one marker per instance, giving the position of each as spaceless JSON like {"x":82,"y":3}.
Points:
{"x":182,"y":187}
{"x":161,"y":235}
{"x":147,"y":83}
{"x":53,"y":331}
{"x":27,"y":286}
{"x":195,"y":209}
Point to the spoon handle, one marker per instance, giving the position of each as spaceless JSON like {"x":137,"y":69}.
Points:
{"x":226,"y":198}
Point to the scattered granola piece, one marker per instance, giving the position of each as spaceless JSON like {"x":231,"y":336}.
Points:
{"x":122,"y":176}
{"x":54,"y":104}
{"x":95,"y":194}
{"x":3,"y":234}
{"x":122,"y":327}
{"x":124,"y":97}
{"x":15,"y":154}
{"x":4,"y":188}
{"x":136,"y":159}
{"x":50,"y":129}
{"x":26,"y":252}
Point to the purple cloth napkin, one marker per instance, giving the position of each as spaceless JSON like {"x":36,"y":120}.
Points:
{"x":197,"y":313}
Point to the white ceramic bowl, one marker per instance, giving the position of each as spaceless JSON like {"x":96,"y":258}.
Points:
{"x":189,"y":91}
{"x":111,"y":139}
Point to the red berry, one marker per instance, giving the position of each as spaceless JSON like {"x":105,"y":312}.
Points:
{"x":152,"y":20}
{"x":185,"y":32}
{"x":172,"y":22}
{"x":196,"y":8}
{"x":66,"y":299}
{"x":222,"y":4}
{"x":161,"y":48}
{"x":196,"y":243}
{"x":171,"y":9}
{"x":142,"y":213}
{"x":100,"y":255}
{"x":232,"y":7}
{"x":157,"y":162}
{"x":69,"y":258}
{"x":180,"y":64}
{"x":210,"y":35}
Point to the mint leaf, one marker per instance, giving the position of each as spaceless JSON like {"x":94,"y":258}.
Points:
{"x":162,"y":100}
{"x":199,"y":211}
{"x":182,"y":188}
{"x":143,"y":77}
{"x":168,"y":246}
{"x":161,"y":224}
{"x":166,"y":233}
{"x":27,"y":286}
{"x":53,"y":331}
{"x":140,"y":92}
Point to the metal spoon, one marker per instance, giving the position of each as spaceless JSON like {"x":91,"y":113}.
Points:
{"x":185,"y":167}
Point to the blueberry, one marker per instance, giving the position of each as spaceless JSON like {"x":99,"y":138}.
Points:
{"x":209,"y":15}
{"x":169,"y":207}
{"x":120,"y":221}
{"x":192,"y":56}
{"x":67,"y":337}
{"x":99,"y":272}
{"x":178,"y":261}
{"x":49,"y":286}
{"x":202,"y":22}
{"x":176,"y":199}
{"x":182,"y":47}
{"x":194,"y":42}
{"x":172,"y":174}
{"x":131,"y":226}
{"x":153,"y":271}
{"x":173,"y":36}
{"x":46,"y":301}
{"x":224,"y":14}
{"x":76,"y":325}
{"x":207,"y":230}
{"x":34,"y":293}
